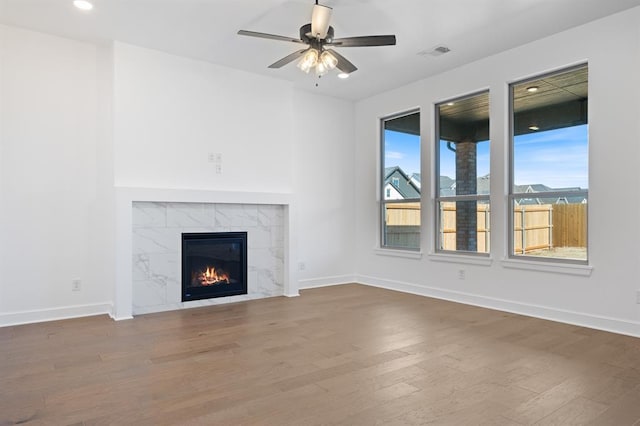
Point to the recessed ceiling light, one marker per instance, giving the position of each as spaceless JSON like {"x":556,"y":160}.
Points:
{"x":343,"y":75}
{"x":83,"y":5}
{"x":534,"y":128}
{"x":451,"y":103}
{"x":532,"y":89}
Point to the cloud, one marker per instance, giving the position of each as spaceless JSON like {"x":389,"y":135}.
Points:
{"x":394,"y":155}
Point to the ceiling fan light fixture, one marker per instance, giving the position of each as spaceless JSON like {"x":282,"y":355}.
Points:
{"x":321,"y":69}
{"x":328,"y":60}
{"x":326,"y":63}
{"x":309,"y":60}
{"x":318,"y":36}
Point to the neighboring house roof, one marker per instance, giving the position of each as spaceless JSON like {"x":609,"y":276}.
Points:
{"x":416,"y":179}
{"x":541,"y":199}
{"x":402,"y":183}
{"x":446,"y":183}
{"x":484,"y":185}
{"x":409,"y":187}
{"x":448,"y":186}
{"x":538,"y":187}
{"x":551,"y":200}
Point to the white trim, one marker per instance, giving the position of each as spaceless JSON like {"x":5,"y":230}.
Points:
{"x":55,"y":314}
{"x":542,"y":266}
{"x":171,"y":195}
{"x":461,"y":258}
{"x":408,"y":254}
{"x":326,"y":281}
{"x":121,"y":318}
{"x":614,"y":325}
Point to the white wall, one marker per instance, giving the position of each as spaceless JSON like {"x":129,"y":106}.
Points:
{"x":324,"y":156}
{"x":48,"y":177}
{"x":605,"y":299}
{"x":79,"y":121}
{"x":170,"y":113}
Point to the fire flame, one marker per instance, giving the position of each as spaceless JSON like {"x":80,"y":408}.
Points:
{"x":211,"y":276}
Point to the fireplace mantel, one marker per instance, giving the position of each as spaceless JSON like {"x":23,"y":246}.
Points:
{"x":126,"y":196}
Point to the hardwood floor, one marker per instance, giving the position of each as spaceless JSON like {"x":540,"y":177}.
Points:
{"x":338,"y":355}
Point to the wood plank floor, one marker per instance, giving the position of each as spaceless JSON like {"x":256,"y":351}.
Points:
{"x":350,"y":355}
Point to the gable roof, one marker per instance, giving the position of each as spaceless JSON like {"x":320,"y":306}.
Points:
{"x":405,"y":187}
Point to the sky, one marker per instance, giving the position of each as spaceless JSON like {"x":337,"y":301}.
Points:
{"x":556,"y":158}
{"x":402,"y":149}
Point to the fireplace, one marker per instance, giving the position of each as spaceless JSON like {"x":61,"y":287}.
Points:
{"x":214,"y":264}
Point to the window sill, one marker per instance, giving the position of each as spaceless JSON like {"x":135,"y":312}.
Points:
{"x":461,"y":258}
{"x":407,"y":254}
{"x":529,"y":265}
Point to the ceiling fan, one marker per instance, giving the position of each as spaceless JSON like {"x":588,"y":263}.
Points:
{"x":318,"y":36}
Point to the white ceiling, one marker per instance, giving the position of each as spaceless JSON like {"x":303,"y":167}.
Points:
{"x":206,"y":30}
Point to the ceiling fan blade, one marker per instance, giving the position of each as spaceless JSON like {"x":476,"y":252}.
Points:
{"x":320,"y":20}
{"x":269,"y":36}
{"x":289,"y":58}
{"x":343,"y":63}
{"x":374,"y":40}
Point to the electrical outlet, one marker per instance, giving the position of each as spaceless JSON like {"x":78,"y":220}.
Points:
{"x":76,"y":285}
{"x":218,"y":169}
{"x":462,"y":274}
{"x":302,"y":266}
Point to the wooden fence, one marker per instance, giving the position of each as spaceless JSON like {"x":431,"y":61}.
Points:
{"x":536,"y":227}
{"x":532,"y":228}
{"x":570,"y":225}
{"x":403,"y":225}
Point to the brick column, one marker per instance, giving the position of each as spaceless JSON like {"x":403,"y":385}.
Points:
{"x":466,"y":184}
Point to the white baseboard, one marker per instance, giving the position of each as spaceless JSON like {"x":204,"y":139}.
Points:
{"x":121,"y":318}
{"x":326,"y":281}
{"x":43,"y":315}
{"x":614,"y":325}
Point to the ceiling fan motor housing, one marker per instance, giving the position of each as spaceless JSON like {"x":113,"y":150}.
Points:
{"x":306,"y":35}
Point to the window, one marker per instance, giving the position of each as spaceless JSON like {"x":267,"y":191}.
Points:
{"x":400,"y":182}
{"x":462,"y":175}
{"x":549,"y":166}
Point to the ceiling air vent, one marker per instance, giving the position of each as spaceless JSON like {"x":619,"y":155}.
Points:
{"x":436,"y":51}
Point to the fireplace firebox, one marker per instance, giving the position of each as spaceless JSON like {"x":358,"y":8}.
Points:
{"x":214,"y":264}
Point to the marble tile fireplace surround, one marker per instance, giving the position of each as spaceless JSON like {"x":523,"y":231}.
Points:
{"x":150,"y":224}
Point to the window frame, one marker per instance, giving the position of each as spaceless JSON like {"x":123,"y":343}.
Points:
{"x":439,"y":199}
{"x":381,"y":191}
{"x":512,"y":196}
